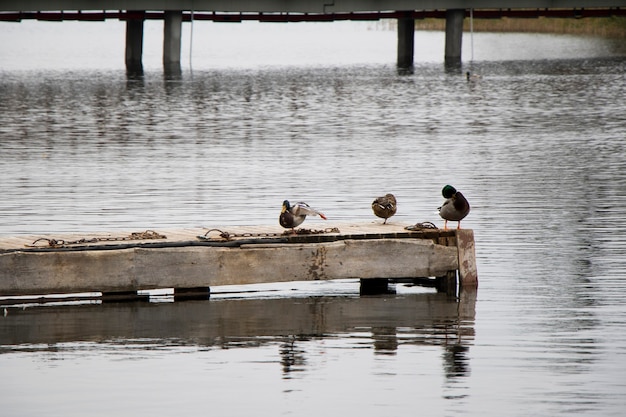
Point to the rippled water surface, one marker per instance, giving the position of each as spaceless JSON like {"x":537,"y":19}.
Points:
{"x":320,"y":113}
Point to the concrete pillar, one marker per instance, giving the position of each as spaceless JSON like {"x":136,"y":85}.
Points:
{"x":454,"y":36}
{"x":406,"y":42}
{"x":172,"y":30}
{"x":134,"y":41}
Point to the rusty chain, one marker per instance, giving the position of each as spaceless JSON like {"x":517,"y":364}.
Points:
{"x":230,"y":236}
{"x":421,"y":226}
{"x":55,"y":243}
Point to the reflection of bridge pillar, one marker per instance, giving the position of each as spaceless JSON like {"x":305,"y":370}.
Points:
{"x":406,"y":42}
{"x":171,"y":40}
{"x":454,"y":36}
{"x":134,"y":41}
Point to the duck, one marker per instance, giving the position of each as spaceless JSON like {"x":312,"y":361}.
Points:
{"x":292,"y":216}
{"x":454,"y":208}
{"x":472,"y":77}
{"x":385,"y":207}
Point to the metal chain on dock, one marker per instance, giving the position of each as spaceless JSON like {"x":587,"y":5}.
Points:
{"x":422,"y":226}
{"x":55,"y":243}
{"x":230,"y":236}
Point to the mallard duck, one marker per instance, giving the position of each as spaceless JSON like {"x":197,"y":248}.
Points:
{"x":472,"y":77}
{"x":455,"y":208}
{"x":385,"y":207}
{"x":293,"y":216}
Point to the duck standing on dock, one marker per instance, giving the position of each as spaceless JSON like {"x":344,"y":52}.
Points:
{"x":293,"y":216}
{"x":385,"y":207}
{"x":455,"y":208}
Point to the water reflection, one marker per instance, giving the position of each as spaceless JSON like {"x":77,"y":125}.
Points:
{"x":292,"y":357}
{"x":383,"y":324}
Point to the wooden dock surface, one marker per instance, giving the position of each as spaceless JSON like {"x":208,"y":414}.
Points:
{"x":223,"y":255}
{"x":211,"y":233}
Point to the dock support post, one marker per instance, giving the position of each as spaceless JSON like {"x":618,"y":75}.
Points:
{"x":199,"y":293}
{"x":374,"y":286}
{"x":123,"y":296}
{"x":454,"y":37}
{"x":468,"y":274}
{"x":172,"y":29}
{"x":134,"y":41}
{"x":447,"y":283}
{"x":406,"y":42}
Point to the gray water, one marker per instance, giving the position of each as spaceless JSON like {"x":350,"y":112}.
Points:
{"x":318,"y":112}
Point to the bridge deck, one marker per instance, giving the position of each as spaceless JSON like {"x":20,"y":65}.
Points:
{"x":301,"y":6}
{"x":94,"y":16}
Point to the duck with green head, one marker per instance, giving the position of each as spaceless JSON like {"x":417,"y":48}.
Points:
{"x":292,"y":216}
{"x":455,"y":208}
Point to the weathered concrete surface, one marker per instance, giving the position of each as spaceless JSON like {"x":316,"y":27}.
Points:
{"x":23,"y":273}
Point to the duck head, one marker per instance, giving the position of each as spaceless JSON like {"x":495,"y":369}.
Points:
{"x":448,"y":191}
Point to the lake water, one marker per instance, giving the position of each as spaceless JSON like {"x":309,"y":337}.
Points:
{"x":318,"y":112}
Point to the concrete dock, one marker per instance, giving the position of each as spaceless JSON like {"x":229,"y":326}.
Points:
{"x":192,"y":260}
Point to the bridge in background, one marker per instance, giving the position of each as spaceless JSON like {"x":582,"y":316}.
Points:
{"x":175,"y":12}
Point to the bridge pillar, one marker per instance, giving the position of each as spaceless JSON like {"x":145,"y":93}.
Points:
{"x":172,"y":30}
{"x":134,"y":41}
{"x":406,"y":42}
{"x":454,"y":37}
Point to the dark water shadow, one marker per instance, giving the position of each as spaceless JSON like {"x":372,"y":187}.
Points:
{"x":383,"y":323}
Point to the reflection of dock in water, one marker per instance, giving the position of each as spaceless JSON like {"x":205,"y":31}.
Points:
{"x":383,"y":322}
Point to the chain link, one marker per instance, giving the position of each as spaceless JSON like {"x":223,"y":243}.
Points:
{"x":230,"y":236}
{"x":421,"y":226}
{"x":55,"y":243}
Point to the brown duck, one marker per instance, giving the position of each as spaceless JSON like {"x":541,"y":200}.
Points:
{"x":385,"y":207}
